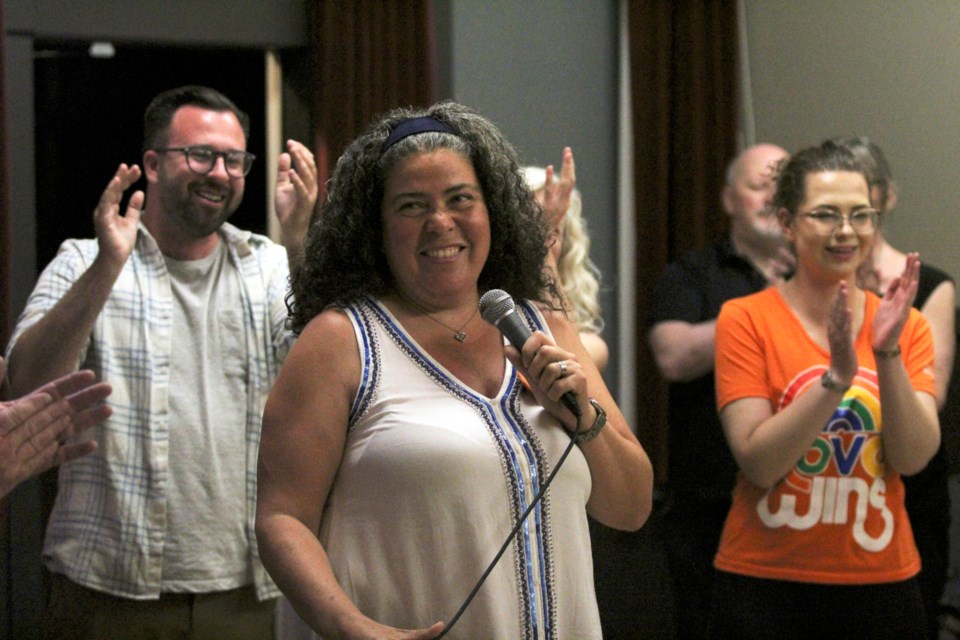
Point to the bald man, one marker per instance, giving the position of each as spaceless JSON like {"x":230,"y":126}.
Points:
{"x":687,"y":301}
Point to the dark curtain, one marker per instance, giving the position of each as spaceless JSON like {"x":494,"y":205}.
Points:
{"x":5,"y":302}
{"x":683,"y":73}
{"x":368,"y":57}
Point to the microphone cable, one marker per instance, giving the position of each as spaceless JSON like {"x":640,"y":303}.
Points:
{"x":516,"y":527}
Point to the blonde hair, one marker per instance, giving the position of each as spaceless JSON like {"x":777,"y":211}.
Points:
{"x":579,"y":276}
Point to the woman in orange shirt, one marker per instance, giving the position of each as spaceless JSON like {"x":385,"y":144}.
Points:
{"x":818,"y":541}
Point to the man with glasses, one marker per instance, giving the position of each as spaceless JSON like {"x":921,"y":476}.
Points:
{"x":687,"y":302}
{"x":184,"y":315}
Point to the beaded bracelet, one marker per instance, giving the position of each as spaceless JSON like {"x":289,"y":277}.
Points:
{"x":887,"y":354}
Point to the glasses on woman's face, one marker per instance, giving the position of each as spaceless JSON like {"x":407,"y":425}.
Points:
{"x":828,"y":222}
{"x":202,"y":160}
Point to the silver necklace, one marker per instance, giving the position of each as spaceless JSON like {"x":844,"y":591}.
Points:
{"x":458,"y":334}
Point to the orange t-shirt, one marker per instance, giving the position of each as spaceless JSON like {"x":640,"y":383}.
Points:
{"x":838,"y":516}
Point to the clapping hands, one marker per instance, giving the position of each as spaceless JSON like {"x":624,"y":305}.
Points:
{"x":36,"y":430}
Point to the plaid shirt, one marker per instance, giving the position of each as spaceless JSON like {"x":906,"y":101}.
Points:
{"x":108,"y":524}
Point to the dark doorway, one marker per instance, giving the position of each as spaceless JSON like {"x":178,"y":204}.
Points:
{"x":89,"y":119}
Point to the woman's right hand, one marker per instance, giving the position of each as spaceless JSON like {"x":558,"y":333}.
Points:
{"x":377,"y":631}
{"x":843,"y":356}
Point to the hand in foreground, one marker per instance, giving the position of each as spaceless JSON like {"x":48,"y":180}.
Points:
{"x":895,"y":306}
{"x":548,"y":379}
{"x":843,"y":356}
{"x":296,"y":193}
{"x":35,"y":429}
{"x":116,"y":234}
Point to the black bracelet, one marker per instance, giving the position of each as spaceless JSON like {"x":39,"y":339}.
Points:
{"x":598,"y":424}
{"x":887,"y":354}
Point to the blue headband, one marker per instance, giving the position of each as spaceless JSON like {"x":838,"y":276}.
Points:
{"x":414,"y":126}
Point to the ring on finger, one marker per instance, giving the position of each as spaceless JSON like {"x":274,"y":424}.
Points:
{"x":563,"y":368}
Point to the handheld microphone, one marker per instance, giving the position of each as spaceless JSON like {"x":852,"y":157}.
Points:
{"x":499,"y":309}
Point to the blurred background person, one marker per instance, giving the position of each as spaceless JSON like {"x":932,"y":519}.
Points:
{"x":683,"y":319}
{"x":928,"y":496}
{"x":399,"y":446}
{"x":568,"y":241}
{"x":818,"y":542}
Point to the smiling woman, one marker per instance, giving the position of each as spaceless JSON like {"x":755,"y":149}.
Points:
{"x":802,"y":372}
{"x":436,"y":232}
{"x":400,"y":428}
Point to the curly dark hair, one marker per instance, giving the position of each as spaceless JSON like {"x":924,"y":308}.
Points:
{"x":793,"y":171}
{"x":343,"y":259}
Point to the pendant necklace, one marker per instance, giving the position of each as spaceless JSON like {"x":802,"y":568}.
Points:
{"x":458,"y":334}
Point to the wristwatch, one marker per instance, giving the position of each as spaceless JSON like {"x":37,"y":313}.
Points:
{"x":598,"y":424}
{"x":829,"y":383}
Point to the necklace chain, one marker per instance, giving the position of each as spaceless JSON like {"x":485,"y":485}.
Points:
{"x":458,"y":334}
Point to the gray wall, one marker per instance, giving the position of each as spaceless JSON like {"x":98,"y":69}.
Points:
{"x":545,"y":71}
{"x":882,"y":68}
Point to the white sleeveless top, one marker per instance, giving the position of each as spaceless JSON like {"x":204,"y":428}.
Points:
{"x":433,"y":477}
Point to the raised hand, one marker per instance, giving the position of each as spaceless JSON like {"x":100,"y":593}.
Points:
{"x":895,"y":306}
{"x":868,"y":276}
{"x":555,"y":197}
{"x":117,"y":234}
{"x":843,"y":356}
{"x":296,"y":193}
{"x":782,"y":266}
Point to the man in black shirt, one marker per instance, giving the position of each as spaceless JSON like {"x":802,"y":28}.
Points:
{"x":686,"y":304}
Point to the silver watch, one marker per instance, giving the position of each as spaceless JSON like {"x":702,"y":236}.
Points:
{"x":829,"y":383}
{"x":598,"y":424}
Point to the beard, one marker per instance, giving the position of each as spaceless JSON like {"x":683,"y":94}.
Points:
{"x":196,"y":216}
{"x":765,"y":226}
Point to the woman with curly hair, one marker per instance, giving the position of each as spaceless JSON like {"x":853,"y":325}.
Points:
{"x":401,"y":444}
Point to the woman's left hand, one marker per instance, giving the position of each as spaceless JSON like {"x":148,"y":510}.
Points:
{"x":895,"y":307}
{"x":551,"y":371}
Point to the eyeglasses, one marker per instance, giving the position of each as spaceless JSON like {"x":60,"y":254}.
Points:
{"x":826,"y":222}
{"x":202,"y":160}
